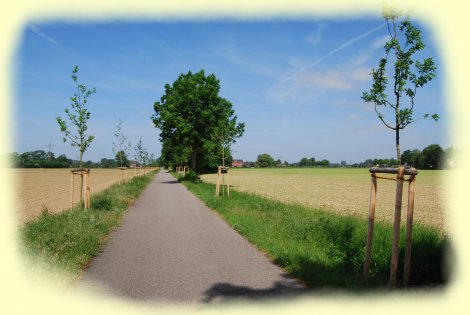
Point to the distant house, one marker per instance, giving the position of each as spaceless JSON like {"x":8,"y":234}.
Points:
{"x":134,"y":164}
{"x":237,"y":163}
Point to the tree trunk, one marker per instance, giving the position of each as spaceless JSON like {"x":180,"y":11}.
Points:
{"x":397,"y":142}
{"x":223,"y":156}
{"x":193,"y":159}
{"x":81,"y":181}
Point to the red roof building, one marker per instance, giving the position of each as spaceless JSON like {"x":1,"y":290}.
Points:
{"x":237,"y":163}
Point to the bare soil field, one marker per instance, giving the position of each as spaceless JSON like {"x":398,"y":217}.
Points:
{"x":344,"y":191}
{"x":37,"y":189}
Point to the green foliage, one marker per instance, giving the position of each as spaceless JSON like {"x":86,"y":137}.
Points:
{"x":385,"y":162}
{"x":311,"y":162}
{"x":121,"y":148}
{"x":190,"y":176}
{"x":108,"y":163}
{"x":265,"y":160}
{"x":324,"y":249}
{"x":405,"y":41}
{"x":142,"y":156}
{"x":433,"y":156}
{"x":140,"y":152}
{"x":121,"y":159}
{"x":39,"y":158}
{"x":195,"y":122}
{"x":78,"y":115}
{"x":413,"y":158}
{"x":307,"y":162}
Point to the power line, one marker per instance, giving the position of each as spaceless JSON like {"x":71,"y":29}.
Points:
{"x":50,"y":145}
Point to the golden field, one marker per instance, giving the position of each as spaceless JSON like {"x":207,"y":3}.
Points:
{"x":344,"y":191}
{"x":37,"y":188}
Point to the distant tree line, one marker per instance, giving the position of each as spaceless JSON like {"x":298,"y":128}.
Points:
{"x":43,"y":159}
{"x":39,"y":158}
{"x":431,"y":157}
{"x":266,"y":160}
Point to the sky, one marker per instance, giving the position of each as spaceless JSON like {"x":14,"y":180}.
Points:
{"x":296,"y":84}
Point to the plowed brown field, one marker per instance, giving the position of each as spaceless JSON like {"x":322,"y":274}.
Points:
{"x":344,"y":191}
{"x":37,"y":189}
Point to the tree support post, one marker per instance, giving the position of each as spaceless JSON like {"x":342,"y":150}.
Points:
{"x":370,"y":227}
{"x":396,"y":228}
{"x":400,"y":171}
{"x":409,"y":227}
{"x":122,"y":176}
{"x":221,"y":171}
{"x":84,"y":176}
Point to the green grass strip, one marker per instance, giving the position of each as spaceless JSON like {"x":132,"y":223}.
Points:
{"x":65,"y":242}
{"x":324,"y":249}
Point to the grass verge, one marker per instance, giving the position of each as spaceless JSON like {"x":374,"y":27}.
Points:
{"x":65,"y":242}
{"x":324,"y":249}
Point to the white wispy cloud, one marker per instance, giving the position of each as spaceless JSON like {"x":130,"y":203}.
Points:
{"x":231,"y":53}
{"x":379,"y":42}
{"x":331,"y":52}
{"x":36,"y":30}
{"x":315,"y":37}
{"x":331,"y":79}
{"x":303,"y":79}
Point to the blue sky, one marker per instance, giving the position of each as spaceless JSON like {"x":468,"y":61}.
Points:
{"x":297,"y":84}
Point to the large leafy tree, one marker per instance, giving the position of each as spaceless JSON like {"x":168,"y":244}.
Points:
{"x":408,"y":75}
{"x":194,"y":120}
{"x":265,"y":160}
{"x":433,"y":156}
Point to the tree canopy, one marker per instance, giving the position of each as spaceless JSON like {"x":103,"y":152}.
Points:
{"x":408,"y":75}
{"x":265,"y":160}
{"x":78,"y":117}
{"x":196,"y":124}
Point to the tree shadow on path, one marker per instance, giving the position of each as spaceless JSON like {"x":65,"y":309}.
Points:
{"x":229,"y":292}
{"x":169,"y":182}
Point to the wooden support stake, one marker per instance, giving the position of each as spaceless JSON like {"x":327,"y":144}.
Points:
{"x":396,"y":228}
{"x":370,"y":228}
{"x":84,"y":196}
{"x":84,"y":186}
{"x":217,"y":185}
{"x":88,"y":190}
{"x":222,"y":172}
{"x":228,"y":184}
{"x":409,"y":227}
{"x":223,"y":183}
{"x":81,"y":191}
{"x":71,"y":189}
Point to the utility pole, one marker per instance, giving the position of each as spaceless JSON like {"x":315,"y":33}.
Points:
{"x":50,"y":145}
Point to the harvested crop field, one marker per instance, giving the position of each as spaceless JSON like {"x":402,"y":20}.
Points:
{"x":37,"y":189}
{"x":344,"y":191}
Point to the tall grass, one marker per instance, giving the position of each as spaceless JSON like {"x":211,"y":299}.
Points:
{"x":324,"y":249}
{"x":66,"y":242}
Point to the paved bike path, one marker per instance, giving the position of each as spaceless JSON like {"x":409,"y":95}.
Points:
{"x":171,"y":247}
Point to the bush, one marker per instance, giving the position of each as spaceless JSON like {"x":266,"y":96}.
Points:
{"x":191,"y":176}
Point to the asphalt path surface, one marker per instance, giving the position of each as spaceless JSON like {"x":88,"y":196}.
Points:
{"x":172,"y":248}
